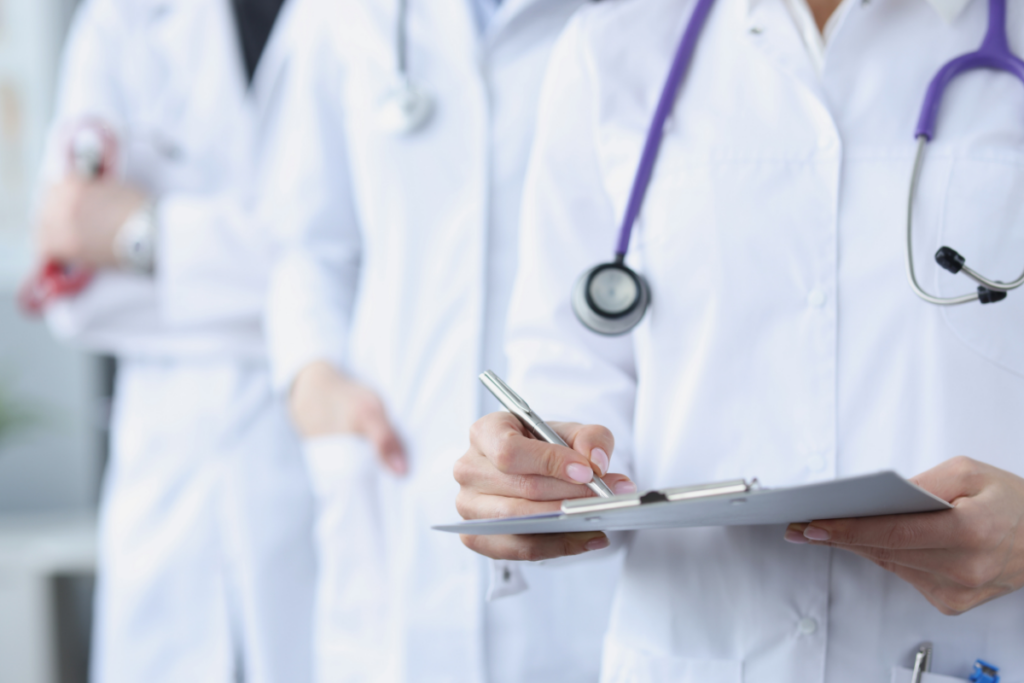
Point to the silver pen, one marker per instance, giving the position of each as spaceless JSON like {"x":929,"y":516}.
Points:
{"x":922,"y":662}
{"x":536,"y":426}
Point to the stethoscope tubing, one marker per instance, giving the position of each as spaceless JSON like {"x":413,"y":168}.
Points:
{"x":401,"y":39}
{"x":909,"y":251}
{"x":995,"y":54}
{"x":666,"y":102}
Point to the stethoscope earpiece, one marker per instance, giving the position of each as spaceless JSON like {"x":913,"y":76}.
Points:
{"x":610,"y":298}
{"x":405,"y":109}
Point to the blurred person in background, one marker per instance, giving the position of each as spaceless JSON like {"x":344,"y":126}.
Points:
{"x":396,"y":191}
{"x":205,"y":560}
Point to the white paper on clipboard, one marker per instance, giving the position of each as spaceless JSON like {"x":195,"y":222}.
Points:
{"x":726,"y":504}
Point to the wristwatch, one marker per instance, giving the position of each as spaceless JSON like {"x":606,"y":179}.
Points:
{"x":135,"y":242}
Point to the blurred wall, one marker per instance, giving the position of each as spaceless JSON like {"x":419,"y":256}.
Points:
{"x":52,"y":462}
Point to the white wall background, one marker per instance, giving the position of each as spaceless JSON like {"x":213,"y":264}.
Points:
{"x":54,"y":462}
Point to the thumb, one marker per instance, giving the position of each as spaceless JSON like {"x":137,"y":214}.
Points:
{"x":952,"y":479}
{"x":382,"y":435}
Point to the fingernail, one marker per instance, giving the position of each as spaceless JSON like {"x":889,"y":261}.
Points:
{"x":600,"y":458}
{"x":624,"y":487}
{"x":793,"y":536}
{"x":580,"y":473}
{"x":816,"y":534}
{"x":597,"y":543}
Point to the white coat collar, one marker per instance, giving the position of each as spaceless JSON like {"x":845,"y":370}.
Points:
{"x":947,"y":9}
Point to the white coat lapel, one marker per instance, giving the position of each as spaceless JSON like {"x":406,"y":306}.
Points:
{"x":458,"y":23}
{"x":205,"y":84}
{"x":769,"y":25}
{"x":511,"y":10}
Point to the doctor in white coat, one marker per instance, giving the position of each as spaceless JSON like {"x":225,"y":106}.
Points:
{"x":782,"y":339}
{"x":205,"y":560}
{"x":399,"y":248}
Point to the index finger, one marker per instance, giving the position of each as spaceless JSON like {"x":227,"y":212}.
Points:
{"x":505,"y":442}
{"x":592,"y":441}
{"x":914,"y":531}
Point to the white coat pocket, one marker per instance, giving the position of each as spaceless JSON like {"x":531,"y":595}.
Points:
{"x":345,"y":478}
{"x":623,"y":664}
{"x":901,"y":675}
{"x":983,"y":219}
{"x":352,"y":582}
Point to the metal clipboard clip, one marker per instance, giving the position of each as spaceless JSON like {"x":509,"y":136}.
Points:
{"x":586,"y":506}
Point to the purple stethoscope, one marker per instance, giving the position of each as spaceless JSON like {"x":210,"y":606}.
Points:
{"x":611,"y":298}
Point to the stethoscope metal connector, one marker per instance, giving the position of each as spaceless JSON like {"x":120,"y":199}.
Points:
{"x":610,"y":298}
{"x":408,"y":106}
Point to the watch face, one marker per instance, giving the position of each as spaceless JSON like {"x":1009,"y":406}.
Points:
{"x":613,"y":290}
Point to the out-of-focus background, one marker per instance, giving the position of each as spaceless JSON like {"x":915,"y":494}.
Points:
{"x":53,"y":400}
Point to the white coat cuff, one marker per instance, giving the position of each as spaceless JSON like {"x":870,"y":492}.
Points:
{"x":506,"y":579}
{"x":306,"y":320}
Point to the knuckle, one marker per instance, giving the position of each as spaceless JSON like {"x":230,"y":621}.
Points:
{"x":954,"y":600}
{"x":506,"y":507}
{"x":545,"y":549}
{"x":976,"y":573}
{"x":885,"y":558}
{"x":604,"y":435}
{"x":552,"y":462}
{"x":886,"y":564}
{"x":960,"y":604}
{"x":567,"y":547}
{"x":462,"y":471}
{"x":476,"y":431}
{"x":963,"y":467}
{"x":527,"y":487}
{"x":899,"y":536}
{"x":462,"y":505}
{"x":989,"y":534}
{"x":981,"y":532}
{"x":471,"y":542}
{"x":504,"y":455}
{"x":531,"y":552}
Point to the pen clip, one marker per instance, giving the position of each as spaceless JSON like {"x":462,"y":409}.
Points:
{"x":922,"y":662}
{"x":503,"y":392}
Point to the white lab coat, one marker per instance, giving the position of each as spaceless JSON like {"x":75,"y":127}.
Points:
{"x":783,"y":341}
{"x":206,"y":562}
{"x":398,"y":259}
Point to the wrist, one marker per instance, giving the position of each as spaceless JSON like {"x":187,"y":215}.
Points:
{"x":311,"y":400}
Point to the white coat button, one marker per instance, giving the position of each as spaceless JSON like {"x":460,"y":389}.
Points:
{"x":816,"y":463}
{"x":816,"y":298}
{"x":807,"y":626}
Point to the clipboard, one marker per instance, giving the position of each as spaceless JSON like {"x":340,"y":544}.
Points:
{"x":728,"y":503}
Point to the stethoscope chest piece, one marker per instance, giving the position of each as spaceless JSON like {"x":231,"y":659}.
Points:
{"x":405,"y":109}
{"x":610,"y":298}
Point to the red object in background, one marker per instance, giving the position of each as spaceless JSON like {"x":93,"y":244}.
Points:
{"x":92,"y":153}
